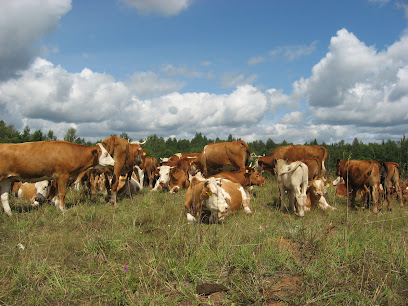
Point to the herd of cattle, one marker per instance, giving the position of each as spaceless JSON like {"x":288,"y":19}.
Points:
{"x":217,"y":179}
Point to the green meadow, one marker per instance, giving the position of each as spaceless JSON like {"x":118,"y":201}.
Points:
{"x":144,"y":252}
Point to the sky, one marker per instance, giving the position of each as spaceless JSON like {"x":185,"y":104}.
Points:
{"x":289,"y":70}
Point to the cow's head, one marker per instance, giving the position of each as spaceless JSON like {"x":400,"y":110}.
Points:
{"x":164,"y":176}
{"x":104,"y":158}
{"x":255,"y":178}
{"x":43,"y":190}
{"x":213,"y":196}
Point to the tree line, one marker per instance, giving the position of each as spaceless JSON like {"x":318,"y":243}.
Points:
{"x":394,"y":151}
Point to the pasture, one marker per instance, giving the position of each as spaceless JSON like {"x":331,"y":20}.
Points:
{"x":143,"y":252}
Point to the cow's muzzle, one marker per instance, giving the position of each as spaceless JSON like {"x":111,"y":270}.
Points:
{"x":39,"y":198}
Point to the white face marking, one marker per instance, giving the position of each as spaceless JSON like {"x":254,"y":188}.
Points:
{"x":164,"y":175}
{"x":337,"y":181}
{"x":43,"y":188}
{"x":216,"y":201}
{"x":105,"y":159}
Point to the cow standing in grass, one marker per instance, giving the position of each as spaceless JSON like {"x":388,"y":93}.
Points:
{"x":293,"y":179}
{"x":45,"y":160}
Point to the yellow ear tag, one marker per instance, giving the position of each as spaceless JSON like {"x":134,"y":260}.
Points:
{"x":209,"y":193}
{"x":144,"y":153}
{"x":328,"y":185}
{"x":406,"y":188}
{"x":246,"y":171}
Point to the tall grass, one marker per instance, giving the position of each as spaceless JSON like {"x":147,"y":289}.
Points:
{"x":143,"y":252}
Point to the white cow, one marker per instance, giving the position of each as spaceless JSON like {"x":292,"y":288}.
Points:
{"x":315,"y":195}
{"x":202,"y":196}
{"x":293,"y":179}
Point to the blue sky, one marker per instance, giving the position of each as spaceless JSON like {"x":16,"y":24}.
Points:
{"x":285,"y":70}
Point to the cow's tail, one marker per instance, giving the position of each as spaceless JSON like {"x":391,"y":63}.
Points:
{"x":291,"y":169}
{"x":325,"y":153}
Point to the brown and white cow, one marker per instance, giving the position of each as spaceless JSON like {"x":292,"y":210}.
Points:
{"x":174,"y":159}
{"x":39,"y":192}
{"x":315,"y":195}
{"x":224,"y":156}
{"x":204,"y":195}
{"x":129,"y":185}
{"x":235,"y":196}
{"x":360,"y":174}
{"x":293,"y":179}
{"x":126,"y":156}
{"x":248,"y":177}
{"x":163,"y":181}
{"x":293,"y":153}
{"x":37,"y":161}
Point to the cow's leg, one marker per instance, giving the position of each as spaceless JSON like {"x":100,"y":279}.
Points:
{"x":62,"y":191}
{"x":399,"y":193}
{"x":353,"y":198}
{"x":5,"y":186}
{"x":292,"y":199}
{"x":374,"y":192}
{"x":282,"y":198}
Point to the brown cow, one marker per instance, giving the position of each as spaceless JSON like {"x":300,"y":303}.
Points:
{"x":392,"y":180}
{"x":179,"y":174}
{"x":224,"y":156}
{"x":248,"y":177}
{"x":314,"y":169}
{"x":126,"y":156}
{"x":150,"y":168}
{"x":178,"y":179}
{"x":293,"y":153}
{"x":58,"y":160}
{"x":360,"y":174}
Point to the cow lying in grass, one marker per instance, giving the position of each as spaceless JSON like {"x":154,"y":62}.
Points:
{"x":204,"y":195}
{"x":293,"y":179}
{"x":37,"y":193}
{"x":315,"y":195}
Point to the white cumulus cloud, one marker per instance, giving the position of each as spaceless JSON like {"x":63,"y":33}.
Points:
{"x":22,"y":23}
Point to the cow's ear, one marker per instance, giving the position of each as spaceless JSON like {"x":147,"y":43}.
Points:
{"x":95,"y":152}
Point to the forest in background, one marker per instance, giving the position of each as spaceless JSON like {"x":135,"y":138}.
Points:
{"x":389,"y":150}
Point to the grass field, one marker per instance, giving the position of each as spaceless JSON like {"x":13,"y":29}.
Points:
{"x":143,"y":252}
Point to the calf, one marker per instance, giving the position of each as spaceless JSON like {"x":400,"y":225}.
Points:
{"x":206,"y":195}
{"x":58,"y":160}
{"x":129,"y":185}
{"x":39,"y":192}
{"x":315,"y":195}
{"x":293,"y":179}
